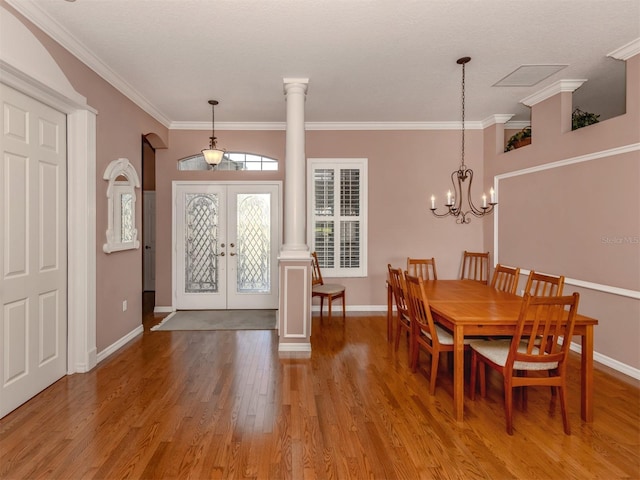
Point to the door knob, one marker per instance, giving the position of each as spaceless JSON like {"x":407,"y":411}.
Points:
{"x":232,"y":254}
{"x":147,"y":247}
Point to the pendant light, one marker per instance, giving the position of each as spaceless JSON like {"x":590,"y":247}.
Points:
{"x":213,"y":155}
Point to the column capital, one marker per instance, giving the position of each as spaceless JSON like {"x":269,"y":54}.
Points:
{"x":290,"y":82}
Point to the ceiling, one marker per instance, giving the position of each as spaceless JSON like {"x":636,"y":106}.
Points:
{"x":384,"y":62}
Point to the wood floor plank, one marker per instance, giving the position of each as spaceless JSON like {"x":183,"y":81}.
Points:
{"x":225,"y":405}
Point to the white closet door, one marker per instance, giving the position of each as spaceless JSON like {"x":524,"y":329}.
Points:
{"x":33,"y":260}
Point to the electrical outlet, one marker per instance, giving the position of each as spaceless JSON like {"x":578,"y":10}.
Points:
{"x":124,"y":305}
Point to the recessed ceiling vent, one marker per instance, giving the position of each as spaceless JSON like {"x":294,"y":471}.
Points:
{"x":528,"y":75}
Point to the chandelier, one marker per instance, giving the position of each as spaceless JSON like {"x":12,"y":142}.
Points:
{"x":213,"y":155}
{"x":456,"y":206}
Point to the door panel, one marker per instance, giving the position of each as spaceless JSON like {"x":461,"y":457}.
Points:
{"x":226,"y":246}
{"x":253,"y":246}
{"x":200,"y":236}
{"x":33,"y":260}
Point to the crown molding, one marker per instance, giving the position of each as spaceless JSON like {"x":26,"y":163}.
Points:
{"x":627,"y":51}
{"x":48,"y":25}
{"x":330,"y":126}
{"x":228,"y":126}
{"x":551,"y":90}
{"x":497,"y":118}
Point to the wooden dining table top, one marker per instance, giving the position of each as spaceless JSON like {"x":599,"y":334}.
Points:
{"x":474,"y":303}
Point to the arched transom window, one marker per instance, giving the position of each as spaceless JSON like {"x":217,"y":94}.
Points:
{"x":230,"y":161}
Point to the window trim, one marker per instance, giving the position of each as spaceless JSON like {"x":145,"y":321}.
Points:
{"x":337,"y":164}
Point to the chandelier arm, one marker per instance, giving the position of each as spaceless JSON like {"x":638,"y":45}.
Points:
{"x":473,"y":209}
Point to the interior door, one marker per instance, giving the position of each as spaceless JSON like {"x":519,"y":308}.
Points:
{"x":33,"y":248}
{"x":226,"y":244}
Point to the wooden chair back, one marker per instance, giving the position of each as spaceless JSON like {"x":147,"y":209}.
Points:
{"x":396,"y":280}
{"x":543,"y":285}
{"x":403,"y":320}
{"x":419,"y":310}
{"x":553,"y":322}
{"x":316,"y":274}
{"x":424,"y":268}
{"x":475,"y":266}
{"x":505,"y":278}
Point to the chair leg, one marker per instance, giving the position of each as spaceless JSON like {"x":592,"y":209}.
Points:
{"x":563,"y":408}
{"x":330,"y":301}
{"x":398,"y":331}
{"x":508,"y":405}
{"x":415,"y":354}
{"x":472,"y":376}
{"x":321,"y":306}
{"x":344,"y":307}
{"x":483,"y":380}
{"x":435,"y":360}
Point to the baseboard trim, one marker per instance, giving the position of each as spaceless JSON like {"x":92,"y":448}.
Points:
{"x":158,"y":309}
{"x":610,"y":362}
{"x":114,"y":347}
{"x":294,"y":348}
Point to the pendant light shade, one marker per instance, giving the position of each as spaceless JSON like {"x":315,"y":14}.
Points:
{"x":213,"y":155}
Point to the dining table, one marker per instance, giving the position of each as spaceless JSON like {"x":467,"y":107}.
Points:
{"x":472,"y":308}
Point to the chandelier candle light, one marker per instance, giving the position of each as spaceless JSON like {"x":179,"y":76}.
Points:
{"x":458,"y":178}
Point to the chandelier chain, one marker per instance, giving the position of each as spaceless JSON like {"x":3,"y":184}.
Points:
{"x":463,"y":102}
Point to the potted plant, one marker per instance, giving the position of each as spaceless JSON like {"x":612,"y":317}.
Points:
{"x":519,"y":139}
{"x":581,"y":119}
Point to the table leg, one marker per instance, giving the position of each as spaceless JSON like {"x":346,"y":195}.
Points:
{"x":458,"y":372}
{"x":389,"y":313}
{"x":587,"y":375}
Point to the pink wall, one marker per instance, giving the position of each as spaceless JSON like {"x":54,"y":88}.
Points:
{"x":405,"y":167}
{"x":120,"y":126}
{"x":566,"y":220}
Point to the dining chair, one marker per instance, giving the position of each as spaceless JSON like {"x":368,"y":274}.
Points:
{"x":323,"y":290}
{"x":398,"y":287}
{"x":425,"y":333}
{"x":543,"y":285}
{"x":519,"y":356}
{"x":422,"y":267}
{"x":505,"y":278}
{"x":475,"y":266}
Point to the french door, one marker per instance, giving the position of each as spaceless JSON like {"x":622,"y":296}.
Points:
{"x":226,"y":242}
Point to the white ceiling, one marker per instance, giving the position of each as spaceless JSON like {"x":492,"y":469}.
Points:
{"x":381,"y":61}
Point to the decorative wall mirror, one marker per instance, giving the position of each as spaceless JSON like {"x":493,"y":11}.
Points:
{"x":122,"y":233}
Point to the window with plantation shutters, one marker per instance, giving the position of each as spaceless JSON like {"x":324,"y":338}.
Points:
{"x":337,"y":215}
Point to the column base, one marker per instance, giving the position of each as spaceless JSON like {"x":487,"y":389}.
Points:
{"x":294,"y":328}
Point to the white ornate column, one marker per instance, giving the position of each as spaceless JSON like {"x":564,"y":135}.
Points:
{"x":295,"y":245}
{"x":294,"y":323}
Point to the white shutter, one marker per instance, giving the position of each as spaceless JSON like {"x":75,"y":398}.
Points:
{"x":337,"y":203}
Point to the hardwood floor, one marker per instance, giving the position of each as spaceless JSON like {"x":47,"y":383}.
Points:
{"x":224,"y":405}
